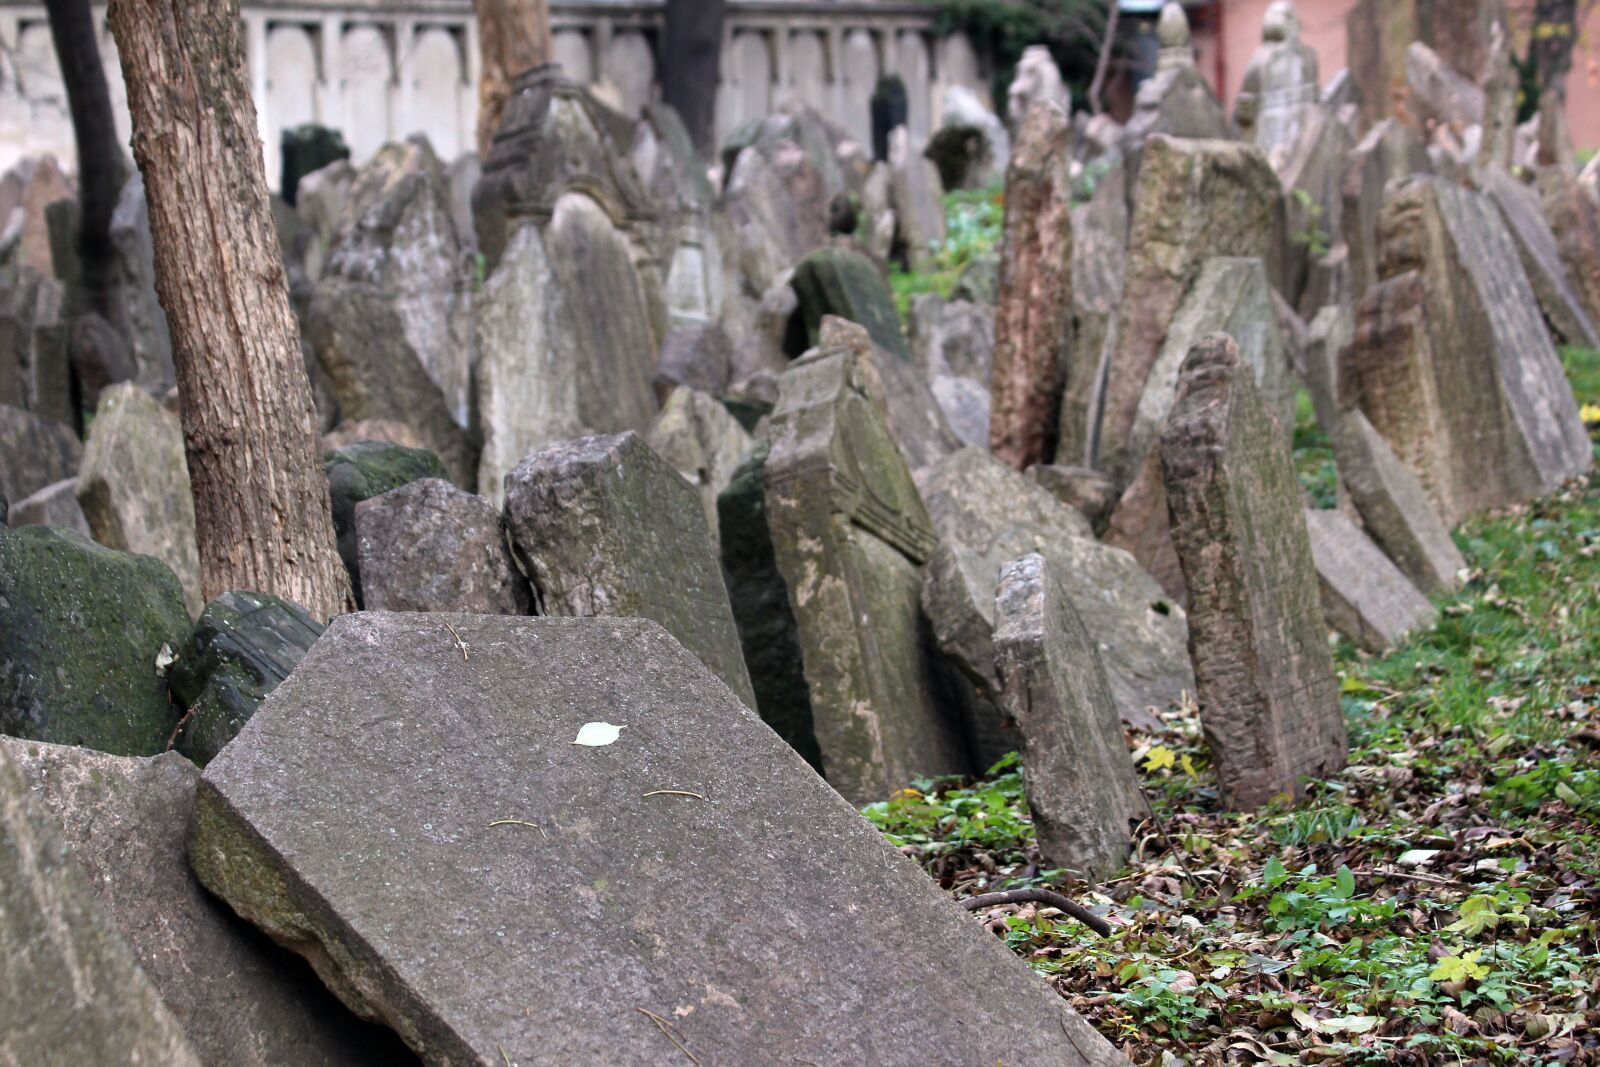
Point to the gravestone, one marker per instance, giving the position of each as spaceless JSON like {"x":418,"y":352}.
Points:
{"x":34,"y":452}
{"x":1379,"y":31}
{"x":361,"y":471}
{"x":1573,"y":212}
{"x":242,"y":646}
{"x":1281,"y":86}
{"x":73,"y":991}
{"x":703,"y":442}
{"x":1078,"y":775}
{"x":1037,"y":81}
{"x":1364,"y":595}
{"x":428,"y":546}
{"x":1033,"y":320}
{"x":134,"y":484}
{"x":1389,"y":150}
{"x":916,"y":418}
{"x":604,"y":526}
{"x":238,"y":998}
{"x":986,"y":514}
{"x":1269,"y":704}
{"x":1438,"y":94}
{"x":953,"y":346}
{"x":838,"y":281}
{"x":81,"y":629}
{"x":1176,"y":100}
{"x":1537,"y":245}
{"x":582,"y":870}
{"x":1099,"y":267}
{"x":54,"y":505}
{"x":918,"y":198}
{"x":850,"y":536}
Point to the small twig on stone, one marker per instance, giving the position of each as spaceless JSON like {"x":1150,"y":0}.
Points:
{"x":1047,"y":897}
{"x":518,"y":822}
{"x":503,"y":1055}
{"x":177,"y":731}
{"x":673,"y":793}
{"x":666,"y":1028}
{"x":462,"y":645}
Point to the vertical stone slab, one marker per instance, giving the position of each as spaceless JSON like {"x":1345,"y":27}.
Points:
{"x":34,"y":452}
{"x":1079,"y":777}
{"x":1521,"y":208}
{"x":71,"y":990}
{"x":850,"y":536}
{"x":1389,"y":150}
{"x":918,"y":197}
{"x":1281,"y":86}
{"x":1099,"y":267}
{"x":698,"y":436}
{"x":1364,"y":595}
{"x":604,"y":526}
{"x":1269,"y":704}
{"x":1573,"y":212}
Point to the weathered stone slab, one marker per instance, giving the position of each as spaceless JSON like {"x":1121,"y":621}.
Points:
{"x":850,"y":536}
{"x":915,"y":415}
{"x":698,"y":355}
{"x":237,"y":997}
{"x":837,"y":281}
{"x":918,"y":198}
{"x":1281,"y":85}
{"x":34,"y":452}
{"x":54,"y":505}
{"x":1574,"y":216}
{"x":1269,"y":704}
{"x":953,"y":345}
{"x":985,"y":515}
{"x":1364,"y":595}
{"x":243,"y":645}
{"x":1176,"y":101}
{"x":577,"y":874}
{"x":696,"y":434}
{"x":604,"y":526}
{"x":361,"y":471}
{"x":1389,"y":150}
{"x":1536,"y":243}
{"x":1379,"y":32}
{"x":1099,"y":267}
{"x":72,"y":991}
{"x":1038,"y":80}
{"x":1439,"y":94}
{"x":81,"y":628}
{"x":134,"y":485}
{"x":1394,"y":507}
{"x":1090,"y":492}
{"x":1079,"y":778}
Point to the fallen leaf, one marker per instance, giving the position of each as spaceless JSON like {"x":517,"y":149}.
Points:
{"x":597,"y":734}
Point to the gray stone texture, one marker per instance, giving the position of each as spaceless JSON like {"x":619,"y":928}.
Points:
{"x":703,"y":442}
{"x":1523,"y":211}
{"x":567,"y":870}
{"x":916,"y":418}
{"x":1176,"y":101}
{"x":34,"y":452}
{"x":140,"y":318}
{"x":428,"y":546}
{"x":918,"y":198}
{"x":1281,"y":86}
{"x":952,"y":344}
{"x":838,"y":281}
{"x":1364,"y":595}
{"x":1079,"y":777}
{"x":1439,"y":94}
{"x":1100,"y":218}
{"x":1389,"y":150}
{"x":604,"y":526}
{"x":54,"y":505}
{"x":361,"y":471}
{"x":1269,"y":704}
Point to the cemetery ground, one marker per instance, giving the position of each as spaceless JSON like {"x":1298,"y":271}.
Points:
{"x":1435,"y":902}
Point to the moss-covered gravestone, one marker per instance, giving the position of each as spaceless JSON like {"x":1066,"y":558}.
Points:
{"x":1269,"y":704}
{"x":837,"y":281}
{"x":82,"y":631}
{"x":361,"y":471}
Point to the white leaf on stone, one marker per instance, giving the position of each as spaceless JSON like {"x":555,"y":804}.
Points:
{"x":597,"y":734}
{"x":164,"y":659}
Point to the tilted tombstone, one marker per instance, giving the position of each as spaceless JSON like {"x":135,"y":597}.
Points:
{"x":1077,"y":772}
{"x":953,"y":345}
{"x":1313,"y":173}
{"x":1177,"y":100}
{"x":1440,"y":98}
{"x":1364,"y":595}
{"x":703,"y":442}
{"x":134,"y":484}
{"x":842,"y":282}
{"x":1099,"y":267}
{"x":1379,"y":31}
{"x":1573,"y":212}
{"x":73,"y":991}
{"x":916,"y":418}
{"x":237,"y":998}
{"x":688,"y":239}
{"x":360,"y":471}
{"x":34,"y":452}
{"x":1281,"y":85}
{"x":561,"y":859}
{"x":604,"y":526}
{"x":1540,"y":250}
{"x":850,"y":536}
{"x":1269,"y":703}
{"x":918,"y":197}
{"x":1389,"y":150}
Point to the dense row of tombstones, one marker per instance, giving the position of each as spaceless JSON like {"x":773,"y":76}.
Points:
{"x":614,"y":442}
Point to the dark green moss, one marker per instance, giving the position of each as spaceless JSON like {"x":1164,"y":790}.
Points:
{"x":366,"y":469}
{"x":837,"y":281}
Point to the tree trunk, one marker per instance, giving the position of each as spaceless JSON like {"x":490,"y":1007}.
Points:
{"x":1555,"y":34}
{"x":513,"y":36}
{"x":1102,"y":67}
{"x":101,"y":168}
{"x":691,"y":51}
{"x":262,"y":516}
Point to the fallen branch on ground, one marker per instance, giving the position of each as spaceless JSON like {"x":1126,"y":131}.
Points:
{"x":1041,"y":896}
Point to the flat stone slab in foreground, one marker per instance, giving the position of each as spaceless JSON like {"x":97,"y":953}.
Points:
{"x":418,"y":822}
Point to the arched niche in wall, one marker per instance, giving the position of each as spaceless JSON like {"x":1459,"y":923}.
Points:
{"x":958,"y":65}
{"x":292,"y":77}
{"x":571,"y":49}
{"x":629,"y":65}
{"x":366,"y":75}
{"x":434,"y":73}
{"x":858,"y":75}
{"x":916,"y":68}
{"x":808,"y":72}
{"x":746,"y":89}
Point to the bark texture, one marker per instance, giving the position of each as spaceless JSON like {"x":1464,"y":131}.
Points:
{"x":250,"y":430}
{"x":691,"y":49}
{"x":513,"y":36}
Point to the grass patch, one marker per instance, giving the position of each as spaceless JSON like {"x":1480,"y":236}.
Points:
{"x":974,"y":219}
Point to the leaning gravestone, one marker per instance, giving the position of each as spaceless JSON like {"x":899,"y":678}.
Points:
{"x":1523,"y":211}
{"x":54,"y":505}
{"x":1574,"y":215}
{"x":134,"y":485}
{"x":548,"y":901}
{"x":1268,"y":701}
{"x":918,"y":198}
{"x":72,"y":991}
{"x":237,"y":997}
{"x":34,"y":452}
{"x":242,"y":646}
{"x":1177,"y":100}
{"x":1280,"y":88}
{"x":1364,"y":595}
{"x":361,"y":471}
{"x":703,"y":441}
{"x":1079,"y":777}
{"x":604,"y":526}
{"x":838,"y":281}
{"x":82,"y":628}
{"x":428,"y":546}
{"x":850,"y":535}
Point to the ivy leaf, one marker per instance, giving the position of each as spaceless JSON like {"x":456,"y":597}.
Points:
{"x":1460,"y":968}
{"x":1344,"y":886}
{"x":1273,"y":873}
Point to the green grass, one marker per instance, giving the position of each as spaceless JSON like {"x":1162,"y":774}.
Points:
{"x":973,"y":222}
{"x":1435,"y":902}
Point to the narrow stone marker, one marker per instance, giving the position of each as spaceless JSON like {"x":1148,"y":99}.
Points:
{"x":423,"y":828}
{"x":1079,"y":776}
{"x":1268,"y":701}
{"x":1364,"y":596}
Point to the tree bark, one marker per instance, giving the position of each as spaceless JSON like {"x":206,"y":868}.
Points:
{"x":691,"y":53}
{"x":1555,"y":35}
{"x":513,"y":37}
{"x":262,"y":516}
{"x":1102,"y":67}
{"x":101,"y":168}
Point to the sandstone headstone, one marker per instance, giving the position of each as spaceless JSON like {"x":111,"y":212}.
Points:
{"x":34,"y":452}
{"x":1521,"y":208}
{"x":1364,"y":595}
{"x":1038,"y":80}
{"x":1313,"y":173}
{"x":703,"y":442}
{"x":850,"y":535}
{"x":918,"y":198}
{"x":1281,"y":85}
{"x":54,"y":505}
{"x":604,"y":526}
{"x":72,"y":991}
{"x":1269,"y":704}
{"x":1389,"y":150}
{"x":916,"y":417}
{"x":1079,"y":778}
{"x":361,"y":471}
{"x":134,"y":485}
{"x":1099,"y":268}
{"x":238,"y":998}
{"x":562,"y":858}
{"x":81,"y":629}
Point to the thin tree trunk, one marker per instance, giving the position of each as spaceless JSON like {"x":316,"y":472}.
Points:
{"x":691,"y":54}
{"x":262,"y":516}
{"x":1102,"y":67}
{"x":1555,"y":35}
{"x":101,"y":168}
{"x":513,"y":37}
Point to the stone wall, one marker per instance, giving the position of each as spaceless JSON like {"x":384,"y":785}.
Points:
{"x":380,"y":70}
